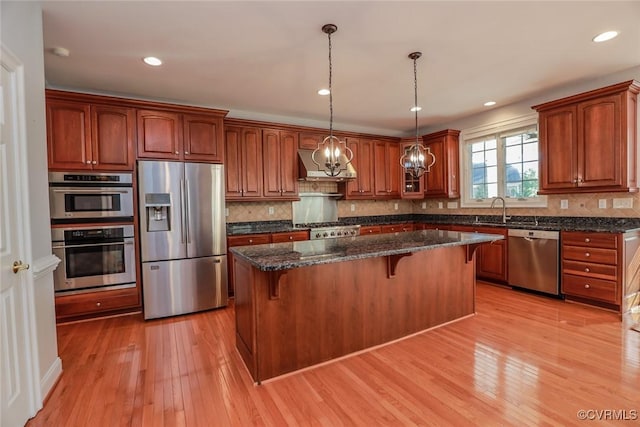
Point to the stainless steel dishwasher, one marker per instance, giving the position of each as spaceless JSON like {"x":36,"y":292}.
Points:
{"x":533,"y":260}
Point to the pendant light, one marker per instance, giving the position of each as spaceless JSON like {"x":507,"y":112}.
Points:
{"x":332,"y":155}
{"x":413,"y":160}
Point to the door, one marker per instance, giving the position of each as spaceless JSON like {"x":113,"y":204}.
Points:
{"x":206,"y":230}
{"x":18,"y":371}
{"x":161,"y":195}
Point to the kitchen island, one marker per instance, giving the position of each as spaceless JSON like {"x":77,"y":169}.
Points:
{"x":303,"y":303}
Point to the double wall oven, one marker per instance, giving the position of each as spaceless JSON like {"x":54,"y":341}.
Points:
{"x":92,"y":231}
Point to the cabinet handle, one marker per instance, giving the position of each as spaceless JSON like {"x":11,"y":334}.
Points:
{"x":88,"y":162}
{"x":177,"y":152}
{"x":587,"y":254}
{"x":186,"y":152}
{"x":587,"y":240}
{"x":587,"y":286}
{"x":580,"y":180}
{"x":290,"y":237}
{"x":586,"y":269}
{"x":98,"y":304}
{"x":250,"y":240}
{"x":575,"y":181}
{"x":95,"y":162}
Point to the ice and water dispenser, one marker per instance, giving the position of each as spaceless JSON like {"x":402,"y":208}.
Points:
{"x":158,"y":211}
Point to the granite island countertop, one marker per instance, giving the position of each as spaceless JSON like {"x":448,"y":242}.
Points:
{"x":283,"y":256}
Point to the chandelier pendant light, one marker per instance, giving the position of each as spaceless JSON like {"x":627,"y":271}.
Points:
{"x":332,"y":155}
{"x":414,"y":160}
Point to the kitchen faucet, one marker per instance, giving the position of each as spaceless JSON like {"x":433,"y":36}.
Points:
{"x":504,"y":208}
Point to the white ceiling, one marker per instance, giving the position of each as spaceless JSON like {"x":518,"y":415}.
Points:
{"x":271,"y":57}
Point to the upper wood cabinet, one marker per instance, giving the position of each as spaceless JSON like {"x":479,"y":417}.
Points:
{"x":243,"y":162}
{"x":362,"y":186}
{"x":410,"y":187}
{"x":588,"y":141}
{"x":280,"y":163}
{"x":174,"y":136}
{"x":82,"y":136}
{"x":444,"y":178}
{"x":386,"y":156}
{"x":310,"y":140}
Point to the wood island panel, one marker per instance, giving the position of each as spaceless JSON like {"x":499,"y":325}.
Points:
{"x":291,"y":319}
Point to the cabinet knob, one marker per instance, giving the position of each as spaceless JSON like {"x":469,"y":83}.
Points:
{"x":250,"y":240}
{"x":575,"y":181}
{"x":88,"y":162}
{"x":177,"y":152}
{"x":95,"y":162}
{"x":587,"y":240}
{"x":290,"y":237}
{"x":587,"y":254}
{"x":587,"y":286}
{"x":98,"y":304}
{"x":186,"y":152}
{"x":586,"y":269}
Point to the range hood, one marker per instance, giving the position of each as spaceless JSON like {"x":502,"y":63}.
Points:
{"x":309,"y":171}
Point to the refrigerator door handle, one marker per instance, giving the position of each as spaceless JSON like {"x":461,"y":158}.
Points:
{"x":187,"y":214}
{"x":183,"y":207}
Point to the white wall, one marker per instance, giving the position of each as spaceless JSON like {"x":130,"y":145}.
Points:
{"x":21,"y":33}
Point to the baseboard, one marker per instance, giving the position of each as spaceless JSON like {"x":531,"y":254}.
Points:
{"x":50,"y":379}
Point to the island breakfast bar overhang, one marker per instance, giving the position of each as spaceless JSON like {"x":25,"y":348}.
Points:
{"x":303,"y":303}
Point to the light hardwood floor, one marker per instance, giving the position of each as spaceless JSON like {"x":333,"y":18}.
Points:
{"x":522,"y":360}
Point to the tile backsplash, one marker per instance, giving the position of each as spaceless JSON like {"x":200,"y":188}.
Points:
{"x":584,"y":205}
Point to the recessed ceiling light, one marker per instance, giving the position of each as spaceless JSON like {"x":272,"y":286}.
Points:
{"x":603,"y":37}
{"x":414,"y":109}
{"x":323,"y":92}
{"x":152,"y":60}
{"x":489,"y":103}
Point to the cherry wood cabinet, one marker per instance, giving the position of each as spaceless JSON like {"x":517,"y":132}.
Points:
{"x":243,"y":164}
{"x":259,"y":239}
{"x":82,"y":136}
{"x":280,"y":164}
{"x":396,"y":228}
{"x":370,"y":229}
{"x":601,"y":269}
{"x":444,"y":178}
{"x":491,"y":258}
{"x":175,"y":136}
{"x":588,"y":141}
{"x":310,"y":140}
{"x":411,"y":187}
{"x":362,"y":186}
{"x":386,"y":157}
{"x":92,"y":304}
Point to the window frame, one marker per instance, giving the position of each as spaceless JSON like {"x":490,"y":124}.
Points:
{"x":468,"y":136}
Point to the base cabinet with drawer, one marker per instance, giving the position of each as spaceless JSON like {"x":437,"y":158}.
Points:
{"x":601,"y":269}
{"x":93,"y":304}
{"x":260,"y":239}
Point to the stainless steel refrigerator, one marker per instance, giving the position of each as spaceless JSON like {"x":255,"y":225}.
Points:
{"x":182,"y":237}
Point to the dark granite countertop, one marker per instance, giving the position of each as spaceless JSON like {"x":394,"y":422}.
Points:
{"x":546,"y":223}
{"x":283,"y":256}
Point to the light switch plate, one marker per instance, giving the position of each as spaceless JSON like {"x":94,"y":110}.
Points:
{"x":564,"y":204}
{"x":440,"y":205}
{"x":624,"y":203}
{"x":602,"y":203}
{"x":271,"y":210}
{"x":353,"y":207}
{"x":226,"y":211}
{"x":424,"y":205}
{"x":452,"y":205}
{"x":395,"y":206}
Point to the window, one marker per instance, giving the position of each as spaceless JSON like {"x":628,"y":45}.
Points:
{"x":501,"y":160}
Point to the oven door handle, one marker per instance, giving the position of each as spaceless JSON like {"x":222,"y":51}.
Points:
{"x":91,"y":191}
{"x":92,"y":244}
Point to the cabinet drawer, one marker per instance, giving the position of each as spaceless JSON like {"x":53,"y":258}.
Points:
{"x":396,"y":228}
{"x":588,"y":287}
{"x":293,"y":236}
{"x":250,"y":239}
{"x":595,"y":240}
{"x":370,"y":229}
{"x":585,"y":254}
{"x":600,"y":271}
{"x":96,"y":302}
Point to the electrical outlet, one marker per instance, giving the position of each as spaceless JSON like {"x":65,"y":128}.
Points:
{"x":452,"y":205}
{"x":625,"y":203}
{"x":424,"y":205}
{"x":440,"y":205}
{"x":271,"y":210}
{"x":226,"y":211}
{"x":395,"y":206}
{"x":564,"y":204}
{"x":353,"y":207}
{"x":602,"y":203}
